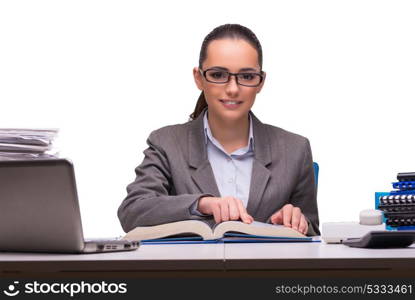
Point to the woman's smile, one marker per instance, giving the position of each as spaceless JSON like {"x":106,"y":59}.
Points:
{"x":231,"y":104}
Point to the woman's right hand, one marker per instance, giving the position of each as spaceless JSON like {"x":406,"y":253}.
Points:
{"x":224,"y":209}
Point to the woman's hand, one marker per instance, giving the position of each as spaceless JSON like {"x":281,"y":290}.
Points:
{"x":224,"y":209}
{"x":290,"y":216}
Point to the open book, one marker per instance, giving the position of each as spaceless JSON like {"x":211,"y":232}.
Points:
{"x":230,"y":231}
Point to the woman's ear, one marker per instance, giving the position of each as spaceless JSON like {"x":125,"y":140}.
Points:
{"x":259,"y":88}
{"x":198,"y":78}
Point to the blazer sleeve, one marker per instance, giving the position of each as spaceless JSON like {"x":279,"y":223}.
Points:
{"x":149,"y":199}
{"x":305,"y":192}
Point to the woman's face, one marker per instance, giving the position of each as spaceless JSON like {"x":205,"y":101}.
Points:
{"x":229,"y":101}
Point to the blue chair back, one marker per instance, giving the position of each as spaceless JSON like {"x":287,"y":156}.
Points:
{"x":316,"y":169}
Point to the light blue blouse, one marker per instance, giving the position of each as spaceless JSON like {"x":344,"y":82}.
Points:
{"x":232,"y":171}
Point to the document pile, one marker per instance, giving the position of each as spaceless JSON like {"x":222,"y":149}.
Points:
{"x":23,"y":143}
{"x":398,"y":206}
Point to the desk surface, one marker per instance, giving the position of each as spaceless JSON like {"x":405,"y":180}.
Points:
{"x":217,"y":257}
{"x":315,"y":256}
{"x":147,"y":257}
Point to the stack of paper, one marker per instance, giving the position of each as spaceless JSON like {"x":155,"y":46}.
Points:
{"x":25,"y":143}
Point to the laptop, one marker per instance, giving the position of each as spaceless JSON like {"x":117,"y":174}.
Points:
{"x":39,"y":210}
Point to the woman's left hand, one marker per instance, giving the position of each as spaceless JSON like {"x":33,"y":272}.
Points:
{"x":290,"y":216}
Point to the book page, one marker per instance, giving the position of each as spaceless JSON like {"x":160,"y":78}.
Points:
{"x":257,"y":229}
{"x":190,"y":227}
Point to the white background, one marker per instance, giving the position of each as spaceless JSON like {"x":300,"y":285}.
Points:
{"x":107,"y":73}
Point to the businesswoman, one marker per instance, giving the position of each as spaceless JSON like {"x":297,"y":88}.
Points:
{"x":225,"y":164}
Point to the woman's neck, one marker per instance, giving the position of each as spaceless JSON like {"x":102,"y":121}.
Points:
{"x":231,"y":134}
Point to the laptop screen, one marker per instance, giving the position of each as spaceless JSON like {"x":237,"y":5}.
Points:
{"x":39,"y":208}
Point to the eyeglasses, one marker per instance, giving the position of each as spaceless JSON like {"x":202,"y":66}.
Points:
{"x":220,"y":76}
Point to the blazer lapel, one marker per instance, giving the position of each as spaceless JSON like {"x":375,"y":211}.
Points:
{"x":203,"y":174}
{"x":262,"y":158}
{"x":205,"y":180}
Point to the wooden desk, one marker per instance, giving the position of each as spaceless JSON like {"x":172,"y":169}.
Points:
{"x":318,"y":260}
{"x":147,"y":261}
{"x":218,"y":260}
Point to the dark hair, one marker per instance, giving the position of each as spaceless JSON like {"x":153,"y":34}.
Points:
{"x":234,"y":31}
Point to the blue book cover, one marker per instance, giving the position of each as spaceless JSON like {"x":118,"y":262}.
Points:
{"x":229,"y":237}
{"x":197,"y":232}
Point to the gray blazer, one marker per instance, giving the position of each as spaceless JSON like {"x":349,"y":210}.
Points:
{"x":176,"y":172}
